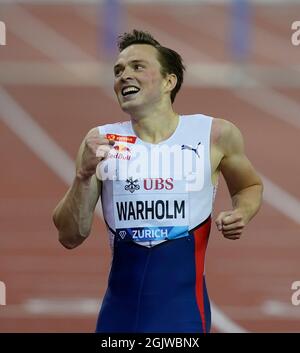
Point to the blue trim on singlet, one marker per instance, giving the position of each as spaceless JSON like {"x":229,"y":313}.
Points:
{"x":153,"y":289}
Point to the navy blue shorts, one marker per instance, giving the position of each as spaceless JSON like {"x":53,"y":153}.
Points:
{"x":159,"y":289}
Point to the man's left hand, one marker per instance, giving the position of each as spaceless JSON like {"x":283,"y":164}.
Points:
{"x":231,"y":224}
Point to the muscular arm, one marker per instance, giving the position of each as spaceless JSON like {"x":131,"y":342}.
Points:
{"x":244,"y":184}
{"x":73,"y":216}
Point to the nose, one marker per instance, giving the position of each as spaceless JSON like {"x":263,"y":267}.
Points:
{"x":126,"y":74}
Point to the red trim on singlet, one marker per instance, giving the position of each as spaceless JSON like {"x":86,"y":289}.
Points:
{"x":201,"y":238}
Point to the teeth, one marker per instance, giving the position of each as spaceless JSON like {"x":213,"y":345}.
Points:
{"x":129,"y":90}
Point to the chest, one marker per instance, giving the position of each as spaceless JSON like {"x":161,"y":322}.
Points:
{"x":152,"y":163}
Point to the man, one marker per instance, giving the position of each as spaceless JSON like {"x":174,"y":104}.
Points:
{"x":158,"y":213}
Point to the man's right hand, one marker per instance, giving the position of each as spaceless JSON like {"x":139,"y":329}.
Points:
{"x":93,"y":150}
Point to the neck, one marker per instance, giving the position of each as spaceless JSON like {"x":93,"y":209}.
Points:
{"x":156,"y":126}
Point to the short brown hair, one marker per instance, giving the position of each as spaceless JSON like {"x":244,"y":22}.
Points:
{"x":170,"y":61}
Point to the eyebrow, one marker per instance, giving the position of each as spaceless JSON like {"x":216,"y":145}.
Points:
{"x":131,"y":62}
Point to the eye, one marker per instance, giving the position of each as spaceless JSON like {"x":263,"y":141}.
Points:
{"x":138,"y":67}
{"x":117,"y":72}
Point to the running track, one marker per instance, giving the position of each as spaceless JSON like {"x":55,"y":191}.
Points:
{"x":48,"y":74}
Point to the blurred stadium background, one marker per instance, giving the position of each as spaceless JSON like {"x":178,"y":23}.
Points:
{"x":56,"y":84}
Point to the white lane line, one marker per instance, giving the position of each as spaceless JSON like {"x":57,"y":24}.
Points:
{"x":62,"y":306}
{"x":39,"y":142}
{"x":223,"y":323}
{"x":280,"y":309}
{"x":281,"y":200}
{"x":37,"y":139}
{"x":273,"y":103}
{"x":267,"y":311}
{"x":52,"y":307}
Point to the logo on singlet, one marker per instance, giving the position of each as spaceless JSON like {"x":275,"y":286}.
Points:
{"x":120,"y":151}
{"x":158,"y":184}
{"x":132,"y":185}
{"x":121,"y":138}
{"x":122,"y":234}
{"x":188,"y":147}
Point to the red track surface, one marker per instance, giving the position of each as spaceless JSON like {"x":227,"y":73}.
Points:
{"x":241,"y":275}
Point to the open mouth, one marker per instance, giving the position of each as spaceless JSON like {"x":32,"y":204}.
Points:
{"x":130,"y":90}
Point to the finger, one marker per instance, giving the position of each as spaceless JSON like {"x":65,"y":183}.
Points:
{"x":219,"y":219}
{"x":232,"y":232}
{"x":232,"y":226}
{"x":219,"y":224}
{"x":232,"y":218}
{"x":92,"y":142}
{"x":105,"y":142}
{"x":232,"y":237}
{"x":102,"y":151}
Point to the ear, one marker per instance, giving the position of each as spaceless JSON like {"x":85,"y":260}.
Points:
{"x":171,"y":81}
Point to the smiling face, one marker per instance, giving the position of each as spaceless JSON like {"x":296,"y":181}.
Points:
{"x":139,"y":83}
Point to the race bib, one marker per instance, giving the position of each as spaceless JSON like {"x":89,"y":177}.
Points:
{"x":150,"y":209}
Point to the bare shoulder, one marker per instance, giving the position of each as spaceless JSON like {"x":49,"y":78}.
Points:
{"x":92,"y":132}
{"x":226,"y":136}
